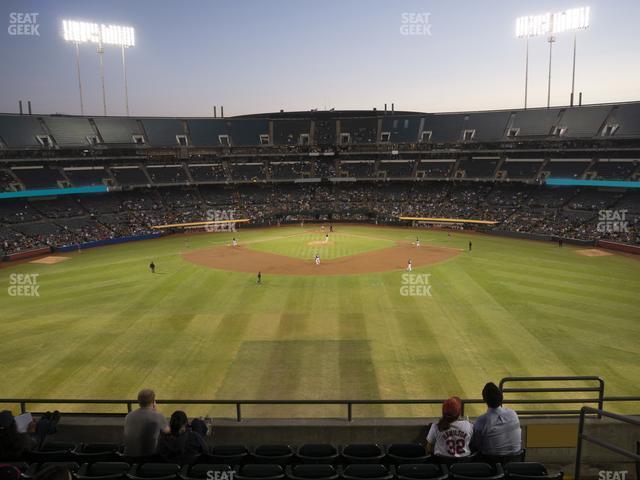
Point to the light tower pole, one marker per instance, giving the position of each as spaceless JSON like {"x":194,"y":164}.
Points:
{"x":551,"y":40}
{"x":79,"y":79}
{"x":126,"y":88}
{"x":104,"y":94}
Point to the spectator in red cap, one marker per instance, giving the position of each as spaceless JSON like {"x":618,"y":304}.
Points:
{"x":450,"y":437}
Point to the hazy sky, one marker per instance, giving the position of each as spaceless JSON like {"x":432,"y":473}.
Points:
{"x":265,"y":55}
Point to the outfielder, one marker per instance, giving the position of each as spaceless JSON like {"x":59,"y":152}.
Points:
{"x":234,"y":242}
{"x":326,"y":238}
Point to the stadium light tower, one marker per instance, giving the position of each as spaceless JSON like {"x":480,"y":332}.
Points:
{"x":84,"y":32}
{"x":550,"y":24}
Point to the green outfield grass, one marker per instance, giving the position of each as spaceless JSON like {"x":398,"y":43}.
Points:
{"x":104,"y":326}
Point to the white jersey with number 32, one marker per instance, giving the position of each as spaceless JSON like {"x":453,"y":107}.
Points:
{"x":452,"y":442}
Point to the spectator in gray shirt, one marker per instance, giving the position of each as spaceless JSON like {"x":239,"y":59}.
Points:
{"x":143,"y":426}
{"x":497,"y":432}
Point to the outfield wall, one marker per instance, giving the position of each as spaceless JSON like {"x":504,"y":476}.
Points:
{"x":108,"y":241}
{"x":36,"y":252}
{"x":619,"y":247}
{"x":538,"y":236}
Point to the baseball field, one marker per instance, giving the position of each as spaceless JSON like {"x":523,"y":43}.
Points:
{"x":357,"y":326}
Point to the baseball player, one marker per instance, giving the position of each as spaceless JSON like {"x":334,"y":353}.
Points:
{"x":409,"y":266}
{"x":417,"y":242}
{"x":317,"y":259}
{"x":259,"y":278}
{"x":470,"y":245}
{"x":234,"y":242}
{"x":152,"y":267}
{"x":326,"y":238}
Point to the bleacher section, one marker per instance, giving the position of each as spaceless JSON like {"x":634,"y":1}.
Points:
{"x":70,"y":131}
{"x":81,"y":177}
{"x":207,"y":172}
{"x":163,"y":174}
{"x":38,"y":177}
{"x":20,"y":131}
{"x":435,"y":168}
{"x":566,"y":168}
{"x":289,"y":132}
{"x":521,"y":168}
{"x":402,"y":129}
{"x":478,"y":167}
{"x":129,"y":175}
{"x":117,"y":130}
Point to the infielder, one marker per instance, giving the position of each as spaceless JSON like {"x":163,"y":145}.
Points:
{"x":409,"y":266}
{"x":326,"y":238}
{"x":417,"y":242}
{"x":317,"y":259}
{"x":234,"y":242}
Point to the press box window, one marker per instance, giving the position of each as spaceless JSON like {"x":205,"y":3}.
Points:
{"x":224,"y":140}
{"x":182,"y":140}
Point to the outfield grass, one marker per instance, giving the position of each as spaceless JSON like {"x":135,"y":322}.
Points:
{"x":104,"y":326}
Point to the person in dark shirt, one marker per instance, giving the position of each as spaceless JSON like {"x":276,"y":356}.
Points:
{"x":181,"y":445}
{"x":259,"y":279}
{"x":152,"y":267}
{"x":13,"y":444}
{"x":470,"y":245}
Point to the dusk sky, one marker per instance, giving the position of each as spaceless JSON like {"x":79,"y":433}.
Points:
{"x":266,"y":55}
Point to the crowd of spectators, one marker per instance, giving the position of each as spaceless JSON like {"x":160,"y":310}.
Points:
{"x":570,"y":213}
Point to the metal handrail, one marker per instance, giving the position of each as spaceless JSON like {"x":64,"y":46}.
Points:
{"x":23,"y":402}
{"x":583,"y":378}
{"x":582,"y":437}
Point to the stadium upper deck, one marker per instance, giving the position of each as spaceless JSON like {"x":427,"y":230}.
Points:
{"x":606,"y":123}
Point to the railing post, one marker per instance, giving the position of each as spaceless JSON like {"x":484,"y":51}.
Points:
{"x":23,"y":407}
{"x":238,"y":412}
{"x":129,"y":407}
{"x":349,"y":411}
{"x":462,"y":408}
{"x":576,"y":474}
{"x":600,"y":397}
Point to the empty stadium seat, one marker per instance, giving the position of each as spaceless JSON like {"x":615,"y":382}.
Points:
{"x":154,"y":471}
{"x":529,"y":471}
{"x":317,"y":453}
{"x":504,"y":459}
{"x":53,"y":452}
{"x":279,"y":454}
{"x":476,"y":470}
{"x":262,"y":471}
{"x":370,"y":471}
{"x":103,"y":471}
{"x":443,"y":460}
{"x":422,"y":471}
{"x":363,"y":453}
{"x":12,"y":470}
{"x":227,"y":454}
{"x":98,"y":452}
{"x":312,"y":472}
{"x":400,"y":453}
{"x":201,"y":471}
{"x":36,"y":468}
